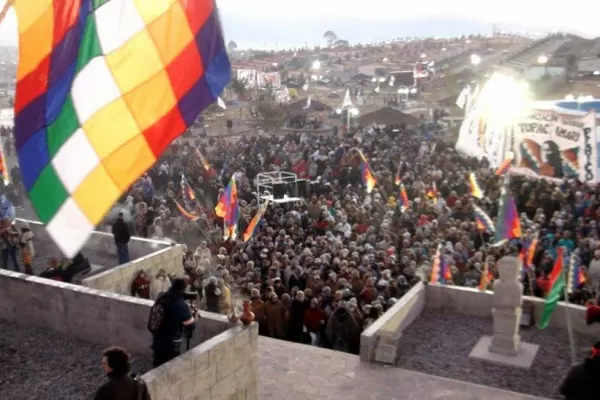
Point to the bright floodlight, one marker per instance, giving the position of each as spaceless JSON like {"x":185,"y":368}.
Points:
{"x":354,"y":111}
{"x":475,"y":59}
{"x":503,"y":99}
{"x":316,"y":64}
{"x":542,"y":59}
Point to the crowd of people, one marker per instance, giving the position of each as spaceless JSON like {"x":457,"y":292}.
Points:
{"x":322,"y":270}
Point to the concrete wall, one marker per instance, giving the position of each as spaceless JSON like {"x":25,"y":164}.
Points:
{"x":471,"y":301}
{"x":380,"y":341}
{"x":222,"y":361}
{"x":101,"y":246}
{"x":119,"y":279}
{"x":224,"y":367}
{"x":93,"y":315}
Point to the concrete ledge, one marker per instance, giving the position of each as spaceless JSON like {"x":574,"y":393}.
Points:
{"x":221,"y":363}
{"x":119,"y":279}
{"x":92,"y":315}
{"x":223,"y":367}
{"x":102,"y":244}
{"x":471,"y":301}
{"x":380,"y":341}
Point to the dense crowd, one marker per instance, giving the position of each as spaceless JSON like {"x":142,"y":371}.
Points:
{"x":324,"y":270}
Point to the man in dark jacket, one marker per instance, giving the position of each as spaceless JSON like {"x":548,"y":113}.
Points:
{"x":582,"y":382}
{"x":121,"y":385}
{"x":177,"y":320}
{"x":121,"y":235}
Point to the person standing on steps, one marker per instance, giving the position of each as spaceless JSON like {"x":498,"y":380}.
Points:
{"x":121,"y":235}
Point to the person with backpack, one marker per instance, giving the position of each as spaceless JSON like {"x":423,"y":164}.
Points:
{"x":122,"y":385}
{"x":170,"y":318}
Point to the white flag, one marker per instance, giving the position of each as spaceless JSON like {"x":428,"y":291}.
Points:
{"x":307,"y":106}
{"x":347,"y":100}
{"x":221,"y":103}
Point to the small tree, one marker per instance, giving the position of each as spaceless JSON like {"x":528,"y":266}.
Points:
{"x":271,"y":113}
{"x":238,"y":87}
{"x":330,"y":37}
{"x":232,"y":46}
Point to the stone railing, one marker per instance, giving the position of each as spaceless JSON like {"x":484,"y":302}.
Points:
{"x":380,"y":341}
{"x":474,"y":302}
{"x":119,"y":279}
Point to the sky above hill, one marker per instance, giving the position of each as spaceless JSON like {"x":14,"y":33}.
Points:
{"x":285,"y":23}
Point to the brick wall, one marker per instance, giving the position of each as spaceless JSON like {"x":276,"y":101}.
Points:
{"x":119,"y":279}
{"x":222,"y":368}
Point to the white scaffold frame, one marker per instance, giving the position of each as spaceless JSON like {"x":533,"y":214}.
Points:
{"x":265,"y":182}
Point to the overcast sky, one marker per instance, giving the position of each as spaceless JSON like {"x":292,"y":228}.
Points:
{"x":302,"y":21}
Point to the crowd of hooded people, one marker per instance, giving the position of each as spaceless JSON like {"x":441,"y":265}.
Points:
{"x":322,"y":270}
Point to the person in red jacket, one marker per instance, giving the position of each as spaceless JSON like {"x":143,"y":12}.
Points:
{"x":314,"y":321}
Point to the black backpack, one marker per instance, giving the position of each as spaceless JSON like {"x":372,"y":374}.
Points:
{"x":156,"y":318}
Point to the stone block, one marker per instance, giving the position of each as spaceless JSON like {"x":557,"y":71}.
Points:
{"x":523,"y":359}
{"x":252,"y":392}
{"x":223,"y":390}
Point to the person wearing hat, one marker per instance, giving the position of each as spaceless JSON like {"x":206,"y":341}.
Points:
{"x":170,"y":317}
{"x":582,"y":381}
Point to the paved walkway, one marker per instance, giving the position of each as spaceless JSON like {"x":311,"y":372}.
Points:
{"x":290,"y":371}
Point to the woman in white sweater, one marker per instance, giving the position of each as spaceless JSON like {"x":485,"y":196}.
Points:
{"x":160,"y":284}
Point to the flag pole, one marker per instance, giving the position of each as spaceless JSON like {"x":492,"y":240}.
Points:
{"x":568,"y":320}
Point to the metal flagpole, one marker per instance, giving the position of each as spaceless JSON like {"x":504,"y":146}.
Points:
{"x":568,"y":318}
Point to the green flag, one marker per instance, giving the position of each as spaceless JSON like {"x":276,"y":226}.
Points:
{"x":552,"y":300}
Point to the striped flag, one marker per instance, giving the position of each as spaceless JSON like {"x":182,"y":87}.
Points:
{"x":251,"y":229}
{"x":474,"y":187}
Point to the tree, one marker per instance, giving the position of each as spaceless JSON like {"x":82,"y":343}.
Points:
{"x":271,"y":113}
{"x":231,"y":46}
{"x":330,"y":37}
{"x":341,"y":43}
{"x":238,"y":87}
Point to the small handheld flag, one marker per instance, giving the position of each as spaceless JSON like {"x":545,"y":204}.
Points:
{"x":366,"y":174}
{"x":251,"y":229}
{"x":505,"y":166}
{"x":436,"y":267}
{"x":403,"y":199}
{"x":474,"y":187}
{"x":508,"y":225}
{"x":576,"y":275}
{"x":483,"y":221}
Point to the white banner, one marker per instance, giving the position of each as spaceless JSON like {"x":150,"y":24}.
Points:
{"x":478,"y":138}
{"x":555,"y":145}
{"x":247,"y":76}
{"x":272,"y":79}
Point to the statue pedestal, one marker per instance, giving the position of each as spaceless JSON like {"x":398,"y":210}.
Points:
{"x":523,"y":358}
{"x":505,"y":346}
